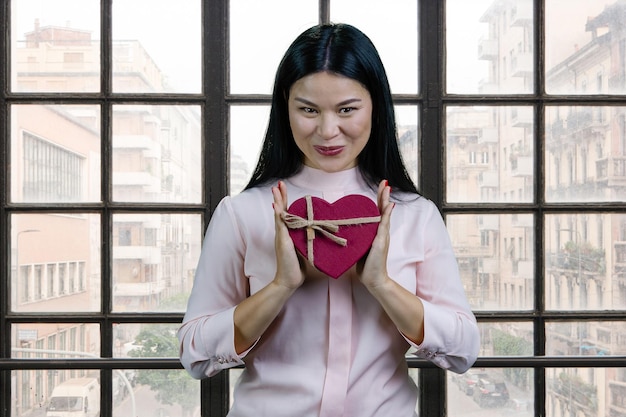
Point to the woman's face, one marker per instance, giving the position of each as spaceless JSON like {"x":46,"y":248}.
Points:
{"x":331,"y":120}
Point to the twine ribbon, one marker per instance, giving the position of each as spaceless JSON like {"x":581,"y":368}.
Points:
{"x":326,"y":227}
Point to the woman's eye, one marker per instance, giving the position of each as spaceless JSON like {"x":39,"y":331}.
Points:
{"x":345,"y":110}
{"x":308,"y":110}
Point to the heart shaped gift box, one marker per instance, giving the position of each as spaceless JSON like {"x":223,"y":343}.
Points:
{"x":333,"y":236}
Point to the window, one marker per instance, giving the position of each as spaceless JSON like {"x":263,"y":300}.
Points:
{"x":115,"y":155}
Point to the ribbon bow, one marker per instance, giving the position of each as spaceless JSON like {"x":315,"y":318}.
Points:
{"x":326,"y":227}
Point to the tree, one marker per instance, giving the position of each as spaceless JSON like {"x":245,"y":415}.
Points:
{"x":172,"y":386}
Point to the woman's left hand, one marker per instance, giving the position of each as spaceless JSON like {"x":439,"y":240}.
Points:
{"x":372,"y":268}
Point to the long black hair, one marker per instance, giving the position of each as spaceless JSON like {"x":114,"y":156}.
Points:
{"x":344,"y":50}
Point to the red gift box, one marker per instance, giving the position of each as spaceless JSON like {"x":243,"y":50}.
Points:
{"x":333,"y":237}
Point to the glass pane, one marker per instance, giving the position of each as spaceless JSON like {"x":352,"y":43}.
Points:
{"x":55,"y":340}
{"x":155,"y":393}
{"x":260,"y":34}
{"x":53,"y":270}
{"x":367,"y":15}
{"x":55,"y":392}
{"x":55,"y":46}
{"x":55,"y":153}
{"x":585,"y":391}
{"x":491,"y":392}
{"x":489,"y":47}
{"x":157,"y":154}
{"x":154,"y":260}
{"x":489,"y":154}
{"x":495,"y":253}
{"x":585,"y":261}
{"x":145,"y":340}
{"x":247,"y":131}
{"x":586,"y":55}
{"x":506,"y":339}
{"x":407,"y":121}
{"x":585,"y":153}
{"x":589,"y":338}
{"x":149,"y":52}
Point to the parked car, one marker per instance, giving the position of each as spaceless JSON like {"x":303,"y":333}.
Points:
{"x":468,"y":380}
{"x":491,"y":393}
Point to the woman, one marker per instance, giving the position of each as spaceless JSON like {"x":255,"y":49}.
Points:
{"x":313,"y":345}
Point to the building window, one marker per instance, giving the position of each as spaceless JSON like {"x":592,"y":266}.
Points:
{"x":50,"y":172}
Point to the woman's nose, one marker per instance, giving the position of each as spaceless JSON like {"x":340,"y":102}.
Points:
{"x":328,"y":126}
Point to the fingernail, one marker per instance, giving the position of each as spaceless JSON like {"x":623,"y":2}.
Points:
{"x":273,"y":206}
{"x":386,"y":183}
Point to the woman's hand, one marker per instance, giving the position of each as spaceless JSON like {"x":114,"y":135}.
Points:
{"x":372,"y":269}
{"x":289,"y":270}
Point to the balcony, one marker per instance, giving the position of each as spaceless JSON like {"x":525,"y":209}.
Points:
{"x":523,"y":269}
{"x":522,"y":65}
{"x":488,"y":135}
{"x":620,"y":253}
{"x":522,"y":166}
{"x":612,"y":171}
{"x":522,"y":118}
{"x":487,"y":49}
{"x":147,"y":254}
{"x":489,"y":179}
{"x":149,"y":182}
{"x":522,"y":13}
{"x":489,"y":222}
{"x":524,"y":221}
{"x":489,"y":266}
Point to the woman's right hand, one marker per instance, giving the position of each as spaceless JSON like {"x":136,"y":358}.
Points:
{"x":289,"y":268}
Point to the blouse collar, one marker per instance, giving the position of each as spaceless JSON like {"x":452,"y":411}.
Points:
{"x":317,"y":179}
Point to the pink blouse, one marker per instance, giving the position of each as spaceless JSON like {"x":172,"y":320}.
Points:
{"x":332,"y":351}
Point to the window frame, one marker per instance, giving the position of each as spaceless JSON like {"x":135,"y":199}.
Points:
{"x":215,"y":102}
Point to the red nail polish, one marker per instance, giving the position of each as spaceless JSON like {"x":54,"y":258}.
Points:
{"x":386,"y":183}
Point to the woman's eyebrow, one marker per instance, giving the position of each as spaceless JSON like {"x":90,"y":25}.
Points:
{"x":343,"y":103}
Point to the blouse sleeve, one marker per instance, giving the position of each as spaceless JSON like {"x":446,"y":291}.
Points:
{"x":207,"y":332}
{"x":451,"y":336}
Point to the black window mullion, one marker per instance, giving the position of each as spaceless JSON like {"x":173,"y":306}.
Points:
{"x":5,"y":272}
{"x":432,"y":381}
{"x":215,"y":150}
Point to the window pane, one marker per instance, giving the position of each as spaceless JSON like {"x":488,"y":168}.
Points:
{"x":506,"y":339}
{"x":159,"y":53}
{"x":155,"y":392}
{"x":48,"y":390}
{"x":407,"y":121}
{"x":591,"y":338}
{"x":495,"y":253}
{"x":489,"y":154}
{"x":247,"y":131}
{"x":157,"y":154}
{"x":586,"y":55}
{"x":145,"y":340}
{"x":55,"y":340}
{"x":397,"y":43}
{"x":55,"y":46}
{"x":585,"y":261}
{"x":260,"y":33}
{"x":53,"y":270}
{"x":491,"y":392}
{"x":585,"y":153}
{"x":489,"y":47}
{"x":55,"y":153}
{"x":154,"y":260}
{"x":584,"y":391}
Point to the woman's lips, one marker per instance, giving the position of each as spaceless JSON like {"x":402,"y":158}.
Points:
{"x":329,"y":150}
